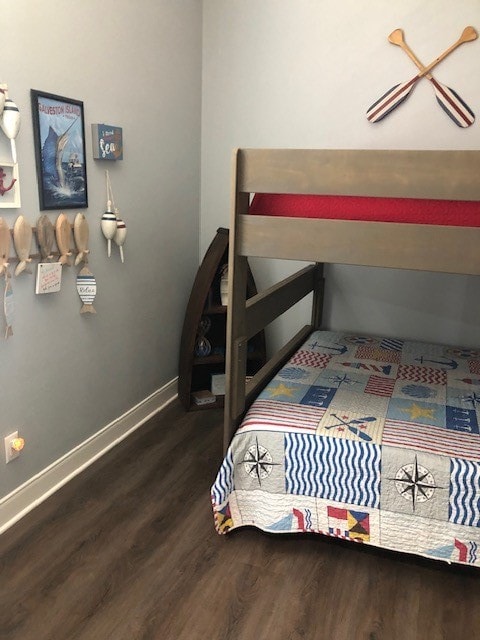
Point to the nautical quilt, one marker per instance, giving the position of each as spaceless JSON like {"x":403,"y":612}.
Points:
{"x":373,"y":440}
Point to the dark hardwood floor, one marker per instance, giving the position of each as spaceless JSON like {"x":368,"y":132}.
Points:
{"x":128,"y":551}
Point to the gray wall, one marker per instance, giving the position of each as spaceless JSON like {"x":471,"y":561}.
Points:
{"x":136,"y":65}
{"x":301,"y":73}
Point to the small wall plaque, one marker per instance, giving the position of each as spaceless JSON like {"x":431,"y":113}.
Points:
{"x":107,"y":142}
{"x":49,"y":277}
{"x":9,"y":186}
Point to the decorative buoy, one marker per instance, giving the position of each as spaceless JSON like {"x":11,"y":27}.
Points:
{"x":120,"y":235}
{"x":10,"y":123}
{"x":2,"y":98}
{"x":108,"y":222}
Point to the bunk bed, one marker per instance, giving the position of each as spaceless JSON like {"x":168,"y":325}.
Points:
{"x":374,"y":439}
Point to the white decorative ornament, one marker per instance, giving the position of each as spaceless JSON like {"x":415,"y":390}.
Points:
{"x":120,"y":235}
{"x":2,"y":97}
{"x":10,"y":122}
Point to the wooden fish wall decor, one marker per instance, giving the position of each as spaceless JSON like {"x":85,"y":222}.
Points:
{"x":45,"y":238}
{"x":81,"y":234}
{"x":4,"y":246}
{"x":8,"y":306}
{"x":22,"y":240}
{"x":63,"y":233}
{"x":87,"y":290}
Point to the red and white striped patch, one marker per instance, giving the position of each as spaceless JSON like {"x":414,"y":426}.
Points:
{"x":268,"y":415}
{"x":378,"y":386}
{"x":432,"y":439}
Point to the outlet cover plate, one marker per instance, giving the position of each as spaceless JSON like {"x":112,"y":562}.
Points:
{"x":10,"y":454}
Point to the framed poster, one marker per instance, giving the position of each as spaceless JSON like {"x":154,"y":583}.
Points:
{"x":59,"y":132}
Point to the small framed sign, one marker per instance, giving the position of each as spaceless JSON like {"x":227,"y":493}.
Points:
{"x":9,"y":186}
{"x":49,"y":277}
{"x":107,"y":142}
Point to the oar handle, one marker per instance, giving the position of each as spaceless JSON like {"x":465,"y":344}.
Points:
{"x":396,"y":37}
{"x":468,"y":35}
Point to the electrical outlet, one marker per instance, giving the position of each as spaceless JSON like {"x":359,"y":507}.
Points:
{"x":10,"y":452}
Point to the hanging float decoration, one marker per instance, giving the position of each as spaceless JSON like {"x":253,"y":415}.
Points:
{"x":10,"y":122}
{"x":113,"y":227}
{"x":108,"y":222}
{"x":3,"y":97}
{"x":120,"y":236}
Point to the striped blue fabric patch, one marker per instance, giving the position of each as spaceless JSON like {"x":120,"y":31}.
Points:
{"x":464,"y":501}
{"x":332,"y":468}
{"x":224,"y":483}
{"x":392,"y":344}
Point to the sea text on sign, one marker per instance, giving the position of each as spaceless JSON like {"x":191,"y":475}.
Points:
{"x":106,"y":147}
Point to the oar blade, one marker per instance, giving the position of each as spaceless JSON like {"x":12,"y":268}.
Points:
{"x":390,"y":100}
{"x":453,"y":105}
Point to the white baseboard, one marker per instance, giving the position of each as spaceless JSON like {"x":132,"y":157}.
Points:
{"x":38,"y":488}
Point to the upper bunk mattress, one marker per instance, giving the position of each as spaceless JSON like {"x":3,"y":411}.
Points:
{"x":369,"y":439}
{"x":458,"y":213}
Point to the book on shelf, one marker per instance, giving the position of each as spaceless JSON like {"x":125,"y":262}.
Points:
{"x":203,"y":397}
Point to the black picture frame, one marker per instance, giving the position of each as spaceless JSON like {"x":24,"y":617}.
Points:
{"x":59,"y":136}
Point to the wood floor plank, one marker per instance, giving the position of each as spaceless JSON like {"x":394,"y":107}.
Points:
{"x":128,"y":551}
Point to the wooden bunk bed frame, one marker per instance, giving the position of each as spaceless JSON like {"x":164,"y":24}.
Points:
{"x":442,"y":175}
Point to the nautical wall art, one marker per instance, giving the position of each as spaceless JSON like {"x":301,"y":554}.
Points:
{"x":448,"y":99}
{"x":9,"y":185}
{"x":112,"y":225}
{"x":59,"y":132}
{"x":107,"y":142}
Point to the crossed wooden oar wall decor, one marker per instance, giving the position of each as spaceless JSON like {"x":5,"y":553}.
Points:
{"x":448,"y":99}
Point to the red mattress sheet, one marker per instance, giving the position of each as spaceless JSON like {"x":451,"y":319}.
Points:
{"x":458,"y":213}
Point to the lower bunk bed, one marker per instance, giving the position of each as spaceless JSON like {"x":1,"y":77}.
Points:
{"x":372,"y":439}
{"x":368,"y":439}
